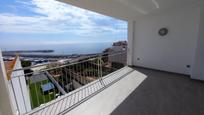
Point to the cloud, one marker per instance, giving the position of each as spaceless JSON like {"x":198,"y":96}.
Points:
{"x":50,"y":16}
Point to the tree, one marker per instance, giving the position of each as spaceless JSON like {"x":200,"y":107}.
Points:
{"x":27,"y":64}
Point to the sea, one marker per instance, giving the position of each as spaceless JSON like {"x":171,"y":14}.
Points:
{"x":65,"y":49}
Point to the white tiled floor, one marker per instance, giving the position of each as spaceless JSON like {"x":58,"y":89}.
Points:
{"x":107,"y":100}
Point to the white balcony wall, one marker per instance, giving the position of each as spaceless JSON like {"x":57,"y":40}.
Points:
{"x":131,"y":29}
{"x":172,"y":52}
{"x":198,"y":68}
{"x":6,"y":107}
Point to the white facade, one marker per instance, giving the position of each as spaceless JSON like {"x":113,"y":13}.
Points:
{"x":18,"y":90}
{"x":173,"y":52}
{"x":120,"y":57}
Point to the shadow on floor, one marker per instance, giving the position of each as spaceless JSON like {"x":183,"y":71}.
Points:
{"x":164,"y":93}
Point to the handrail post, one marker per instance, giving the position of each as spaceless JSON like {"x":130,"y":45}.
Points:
{"x":100,"y":70}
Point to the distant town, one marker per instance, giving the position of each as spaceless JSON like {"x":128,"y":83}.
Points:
{"x":28,"y":51}
{"x":36,"y":57}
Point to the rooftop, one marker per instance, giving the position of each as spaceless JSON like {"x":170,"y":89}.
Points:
{"x":9,"y":65}
{"x":47,"y":87}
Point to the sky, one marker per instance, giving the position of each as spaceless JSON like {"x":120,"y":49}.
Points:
{"x":47,"y":22}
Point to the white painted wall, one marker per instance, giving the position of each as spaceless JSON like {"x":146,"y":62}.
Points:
{"x":172,"y":52}
{"x":131,"y":29}
{"x":198,"y":68}
{"x":6,"y":107}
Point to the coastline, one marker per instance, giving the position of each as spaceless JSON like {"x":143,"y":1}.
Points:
{"x":28,"y":51}
{"x":50,"y":56}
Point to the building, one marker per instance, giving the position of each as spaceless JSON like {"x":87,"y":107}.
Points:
{"x":119,"y":47}
{"x":17,"y":86}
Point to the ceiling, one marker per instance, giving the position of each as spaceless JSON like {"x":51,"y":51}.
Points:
{"x":130,"y":9}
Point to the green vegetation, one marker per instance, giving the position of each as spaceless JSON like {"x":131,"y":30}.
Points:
{"x":37,"y":96}
{"x":91,"y":71}
{"x":27,"y":64}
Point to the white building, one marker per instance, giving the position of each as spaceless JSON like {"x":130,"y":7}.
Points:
{"x":120,"y":48}
{"x":17,"y":86}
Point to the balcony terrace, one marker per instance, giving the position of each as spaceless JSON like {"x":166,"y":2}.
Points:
{"x":164,"y":93}
{"x":110,"y":84}
{"x":116,"y":91}
{"x":57,"y":88}
{"x":91,"y":98}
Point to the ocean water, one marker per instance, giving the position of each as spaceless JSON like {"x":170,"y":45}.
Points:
{"x":66,"y":49}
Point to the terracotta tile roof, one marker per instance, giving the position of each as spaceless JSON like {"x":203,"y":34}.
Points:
{"x":9,"y":66}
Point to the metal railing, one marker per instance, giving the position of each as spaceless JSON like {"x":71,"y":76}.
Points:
{"x":54,"y":81}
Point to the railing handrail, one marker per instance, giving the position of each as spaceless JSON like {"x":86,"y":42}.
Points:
{"x":69,"y":64}
{"x":86,"y":70}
